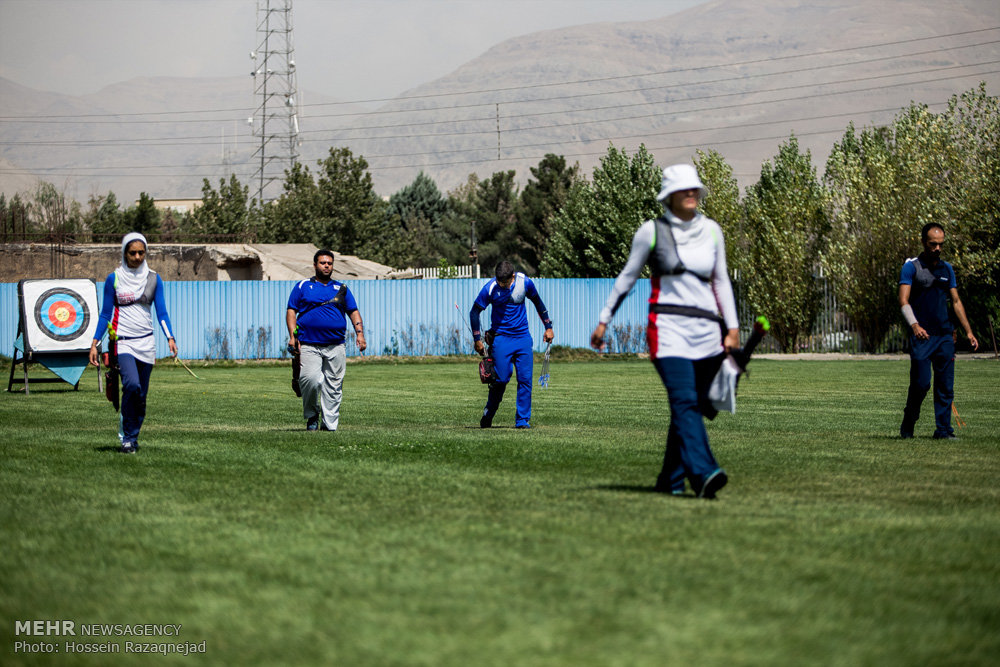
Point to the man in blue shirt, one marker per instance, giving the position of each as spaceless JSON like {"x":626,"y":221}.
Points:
{"x":925,"y":285}
{"x":511,"y":340}
{"x":317,"y":327}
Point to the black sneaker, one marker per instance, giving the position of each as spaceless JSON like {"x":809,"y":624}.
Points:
{"x":486,"y":421}
{"x":129,"y":447}
{"x":905,"y":435}
{"x":312,"y":424}
{"x":945,"y":436}
{"x":713,"y":483}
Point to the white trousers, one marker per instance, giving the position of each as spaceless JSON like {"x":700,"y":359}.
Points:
{"x":320,"y":380}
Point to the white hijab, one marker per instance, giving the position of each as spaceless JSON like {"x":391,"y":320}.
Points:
{"x":686,"y":231}
{"x":132,"y":280}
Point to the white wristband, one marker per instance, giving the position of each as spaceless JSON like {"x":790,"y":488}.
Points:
{"x":908,"y":314}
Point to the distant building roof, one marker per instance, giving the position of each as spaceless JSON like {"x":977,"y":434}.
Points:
{"x":294,"y":261}
{"x":177,"y":205}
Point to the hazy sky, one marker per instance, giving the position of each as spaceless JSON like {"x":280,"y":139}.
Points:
{"x":348,"y":49}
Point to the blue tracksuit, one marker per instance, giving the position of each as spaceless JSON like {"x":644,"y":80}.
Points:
{"x":512,"y":341}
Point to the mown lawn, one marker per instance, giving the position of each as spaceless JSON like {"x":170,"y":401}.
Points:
{"x":412,"y":537}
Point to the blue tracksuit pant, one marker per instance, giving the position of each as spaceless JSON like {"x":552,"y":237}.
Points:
{"x":135,"y":385}
{"x":510,"y":353}
{"x":688,"y":454}
{"x":938,"y":354}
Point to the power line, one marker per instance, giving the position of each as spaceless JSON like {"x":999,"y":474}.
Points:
{"x":491,"y":149}
{"x":244,"y":110}
{"x":694,"y":99}
{"x":631,"y":90}
{"x":678,"y":70}
{"x":491,"y":118}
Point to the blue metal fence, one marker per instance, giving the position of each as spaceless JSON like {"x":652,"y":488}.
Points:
{"x":246,"y":319}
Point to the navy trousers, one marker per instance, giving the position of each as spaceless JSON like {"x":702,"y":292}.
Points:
{"x":135,"y":386}
{"x":688,"y":454}
{"x":936,"y":354}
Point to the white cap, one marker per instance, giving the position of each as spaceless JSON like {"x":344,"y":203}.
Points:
{"x":679,"y":177}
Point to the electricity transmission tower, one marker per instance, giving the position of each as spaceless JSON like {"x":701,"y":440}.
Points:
{"x":275,"y":123}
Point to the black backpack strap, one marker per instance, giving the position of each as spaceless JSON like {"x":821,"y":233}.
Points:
{"x":688,"y":311}
{"x":338,"y":300}
{"x":663,"y":253}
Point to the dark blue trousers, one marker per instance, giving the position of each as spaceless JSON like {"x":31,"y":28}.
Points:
{"x":510,"y":353}
{"x":936,"y":354}
{"x":688,"y":454}
{"x":135,"y":386}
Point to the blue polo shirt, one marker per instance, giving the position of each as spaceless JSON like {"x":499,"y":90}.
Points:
{"x":508,"y":316}
{"x":929,"y":292}
{"x":321,"y":324}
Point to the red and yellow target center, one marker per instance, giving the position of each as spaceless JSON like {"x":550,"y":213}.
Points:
{"x":61,"y":314}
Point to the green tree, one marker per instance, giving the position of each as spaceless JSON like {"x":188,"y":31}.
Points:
{"x":144,"y":217}
{"x":490,"y":207}
{"x":787,"y":228}
{"x":974,"y":204}
{"x":348,"y":204}
{"x":395,"y":243}
{"x":291,"y":218}
{"x":723,"y":205}
{"x":227,"y":211}
{"x":335,"y":210}
{"x":52,"y":213}
{"x":171,"y":224}
{"x":495,"y":208}
{"x":543,"y":195}
{"x":15,"y":223}
{"x":886,"y":183}
{"x":870,"y":237}
{"x":106,"y":219}
{"x":410,"y":232}
{"x":457,"y":223}
{"x":419,"y":199}
{"x":591,"y":235}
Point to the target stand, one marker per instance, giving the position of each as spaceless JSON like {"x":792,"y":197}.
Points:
{"x":56,"y":322}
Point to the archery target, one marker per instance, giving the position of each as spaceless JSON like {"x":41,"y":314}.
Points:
{"x":58,"y":315}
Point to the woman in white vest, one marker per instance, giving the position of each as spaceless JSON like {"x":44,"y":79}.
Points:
{"x":692,"y":322}
{"x":129,"y":293}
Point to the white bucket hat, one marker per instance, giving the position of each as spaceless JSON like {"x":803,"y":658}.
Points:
{"x":679,"y":177}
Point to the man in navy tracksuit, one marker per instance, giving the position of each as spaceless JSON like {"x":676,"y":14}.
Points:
{"x":925,"y":285}
{"x":505,"y":295}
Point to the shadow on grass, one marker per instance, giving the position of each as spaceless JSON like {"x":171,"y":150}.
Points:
{"x":38,"y":390}
{"x":638,"y":488}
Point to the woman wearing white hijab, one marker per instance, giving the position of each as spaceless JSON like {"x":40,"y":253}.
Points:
{"x":128,"y":294}
{"x":691,"y":297}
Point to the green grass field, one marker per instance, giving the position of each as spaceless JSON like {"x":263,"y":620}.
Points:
{"x":412,"y":537}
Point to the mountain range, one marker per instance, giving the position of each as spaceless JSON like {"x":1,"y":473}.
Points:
{"x":734,"y":76}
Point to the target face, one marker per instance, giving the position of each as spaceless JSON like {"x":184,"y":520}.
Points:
{"x":61,"y":313}
{"x":58,"y":315}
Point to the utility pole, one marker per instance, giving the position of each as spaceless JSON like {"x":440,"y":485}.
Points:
{"x":474,"y":251}
{"x":275,"y":123}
